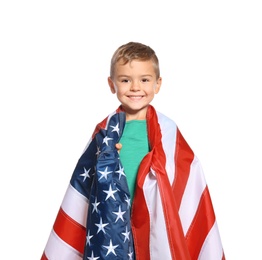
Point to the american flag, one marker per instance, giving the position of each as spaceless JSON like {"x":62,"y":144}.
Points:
{"x":171,"y":217}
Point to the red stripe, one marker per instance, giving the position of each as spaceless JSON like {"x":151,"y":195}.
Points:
{"x":202,"y":223}
{"x":177,"y":244}
{"x":156,"y":159}
{"x":205,"y":217}
{"x":183,"y":159}
{"x":101,"y":125}
{"x":175,"y":232}
{"x":140,"y":218}
{"x":44,"y":257}
{"x":70,"y":231}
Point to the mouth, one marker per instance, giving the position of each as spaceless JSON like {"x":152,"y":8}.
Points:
{"x":133,"y":97}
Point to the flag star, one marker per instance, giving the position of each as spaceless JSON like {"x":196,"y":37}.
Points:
{"x":92,"y":257}
{"x":115,"y":128}
{"x":110,"y":248}
{"x":85,"y":174}
{"x":106,"y":139}
{"x":128,"y":201}
{"x":98,"y":150}
{"x":121,"y":171}
{"x":119,"y":214}
{"x":126,"y":234}
{"x":95,"y":204}
{"x":101,"y":226}
{"x":88,"y":237}
{"x":110,"y":193}
{"x":130,"y":254}
{"x":104,"y":173}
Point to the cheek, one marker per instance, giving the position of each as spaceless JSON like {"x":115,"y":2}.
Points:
{"x":120,"y":91}
{"x":152,"y":90}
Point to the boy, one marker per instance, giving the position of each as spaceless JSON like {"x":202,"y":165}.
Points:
{"x":138,"y":190}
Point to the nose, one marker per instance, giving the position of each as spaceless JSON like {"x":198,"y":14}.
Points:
{"x":135,"y":86}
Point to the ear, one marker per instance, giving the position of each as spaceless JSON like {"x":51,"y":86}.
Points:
{"x":111,"y":85}
{"x":158,"y":85}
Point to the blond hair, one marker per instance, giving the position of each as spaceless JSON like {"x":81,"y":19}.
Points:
{"x":134,"y":51}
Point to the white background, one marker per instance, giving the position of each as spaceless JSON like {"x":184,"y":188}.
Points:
{"x":54,"y":63}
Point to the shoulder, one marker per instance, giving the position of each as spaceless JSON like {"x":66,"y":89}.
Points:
{"x":104,"y":123}
{"x":115,"y":119}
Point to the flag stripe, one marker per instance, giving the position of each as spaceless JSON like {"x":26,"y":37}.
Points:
{"x":70,"y":231}
{"x":160,"y":202}
{"x":183,"y":158}
{"x":140,"y":218}
{"x":57,"y":249}
{"x":201,"y":225}
{"x":169,"y":147}
{"x":177,"y":245}
{"x":192,"y":195}
{"x":80,"y":202}
{"x":208,"y":251}
{"x":69,"y":221}
{"x":158,"y":240}
{"x":44,"y":257}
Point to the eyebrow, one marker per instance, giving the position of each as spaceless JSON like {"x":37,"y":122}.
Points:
{"x":145,"y":75}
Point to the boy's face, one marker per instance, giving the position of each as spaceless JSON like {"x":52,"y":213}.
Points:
{"x":135,"y":85}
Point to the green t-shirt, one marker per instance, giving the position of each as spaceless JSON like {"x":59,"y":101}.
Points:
{"x":134,"y":147}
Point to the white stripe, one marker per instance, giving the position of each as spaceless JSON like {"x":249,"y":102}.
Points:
{"x":212,"y":247}
{"x":194,"y":188}
{"x":169,"y":135}
{"x":159,"y":245}
{"x":56,"y":249}
{"x":75,"y":205}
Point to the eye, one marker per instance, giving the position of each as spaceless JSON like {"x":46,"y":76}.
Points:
{"x":145,"y":80}
{"x":125,"y":80}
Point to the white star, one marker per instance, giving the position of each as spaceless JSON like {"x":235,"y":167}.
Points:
{"x":88,"y":237}
{"x":128,"y":201}
{"x":110,"y":193}
{"x":106,"y":139}
{"x":115,"y":128}
{"x":111,"y":248}
{"x":95,"y":204}
{"x":85,"y":174}
{"x":98,"y":150}
{"x":104,"y":173}
{"x":121,"y":171}
{"x":119,"y":214}
{"x":101,"y":226}
{"x":92,"y":257}
{"x":126,"y":235}
{"x":130,"y":254}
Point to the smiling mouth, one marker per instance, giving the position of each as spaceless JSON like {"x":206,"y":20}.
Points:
{"x":135,"y":97}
